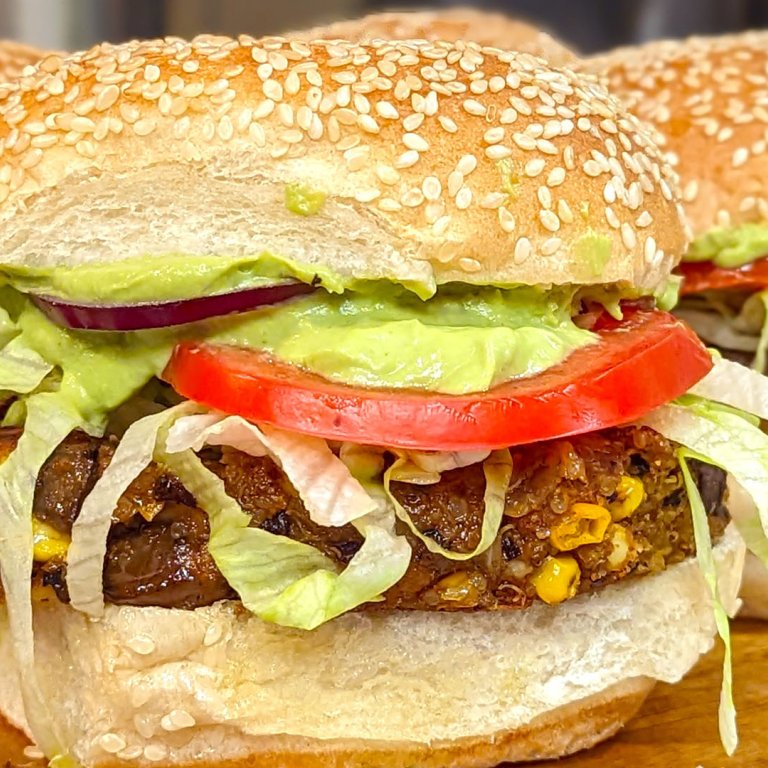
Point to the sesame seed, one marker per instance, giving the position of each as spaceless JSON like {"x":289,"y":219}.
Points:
{"x":493,"y":200}
{"x":447,"y":124}
{"x":455,"y":182}
{"x":389,"y":205}
{"x":592,"y":168}
{"x":466,"y":164}
{"x":432,"y":188}
{"x":564,"y":212}
{"x":413,"y":122}
{"x":493,"y":135}
{"x":628,"y":236}
{"x":544,"y":196}
{"x":550,"y":246}
{"x":464,"y":198}
{"x":387,"y":110}
{"x":407,"y":159}
{"x":507,"y":221}
{"x":177,"y":720}
{"x":556,"y":177}
{"x":387,"y":174}
{"x":141,"y":644}
{"x":534,"y":167}
{"x":497,"y":152}
{"x":33,"y":753}
{"x":415,"y":142}
{"x":523,"y":250}
{"x":441,"y":225}
{"x":649,"y":249}
{"x":155,"y":753}
{"x":549,"y":220}
{"x":112,"y":743}
{"x":473,"y":107}
{"x":524,"y":141}
{"x":740,"y":157}
{"x":644,"y":220}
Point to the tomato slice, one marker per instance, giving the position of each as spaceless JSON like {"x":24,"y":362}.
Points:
{"x":705,"y":276}
{"x":638,"y":364}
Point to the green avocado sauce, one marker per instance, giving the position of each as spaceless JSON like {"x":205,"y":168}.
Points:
{"x":730,"y":247}
{"x":462,"y":340}
{"x":303,"y":200}
{"x":454,"y":339}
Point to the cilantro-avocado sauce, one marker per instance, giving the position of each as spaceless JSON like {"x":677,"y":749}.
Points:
{"x":730,"y":247}
{"x":462,"y":340}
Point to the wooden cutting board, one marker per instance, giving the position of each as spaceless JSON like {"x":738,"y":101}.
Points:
{"x":677,"y":727}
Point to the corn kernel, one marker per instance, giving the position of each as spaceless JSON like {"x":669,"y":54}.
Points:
{"x":582,"y":524}
{"x":630,"y":494}
{"x":557,"y":579}
{"x":47,"y":542}
{"x":465,"y":587}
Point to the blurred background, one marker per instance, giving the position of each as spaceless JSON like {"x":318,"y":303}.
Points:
{"x":589,"y":25}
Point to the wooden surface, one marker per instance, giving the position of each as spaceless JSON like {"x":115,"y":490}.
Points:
{"x":677,"y":727}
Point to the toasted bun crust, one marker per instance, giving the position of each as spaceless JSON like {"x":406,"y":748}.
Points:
{"x":706,"y":98}
{"x":442,"y":162}
{"x":483,"y":27}
{"x":754,"y":589}
{"x":14,"y":57}
{"x":568,"y":729}
{"x":218,"y":686}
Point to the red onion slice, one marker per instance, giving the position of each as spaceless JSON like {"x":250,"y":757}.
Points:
{"x":136,"y":317}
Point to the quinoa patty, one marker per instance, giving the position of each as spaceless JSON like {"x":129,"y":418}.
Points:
{"x":581,"y":513}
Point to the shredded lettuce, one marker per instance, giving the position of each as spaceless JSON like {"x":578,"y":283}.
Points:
{"x":706,"y":560}
{"x":50,"y":418}
{"x":727,"y":440}
{"x":281,"y":580}
{"x":85,"y":559}
{"x":735,"y":385}
{"x":332,"y":496}
{"x":22,"y":370}
{"x":498,"y":471}
{"x":762,"y":345}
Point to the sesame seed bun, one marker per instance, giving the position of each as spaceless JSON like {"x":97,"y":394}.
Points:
{"x":219,"y":687}
{"x":706,"y":98}
{"x":442,"y":162}
{"x":483,"y":27}
{"x":14,"y":57}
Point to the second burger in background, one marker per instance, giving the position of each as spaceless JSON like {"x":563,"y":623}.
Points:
{"x":484,"y":27}
{"x":14,"y":57}
{"x":707,"y":97}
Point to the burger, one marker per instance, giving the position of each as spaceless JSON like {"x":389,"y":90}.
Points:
{"x":14,"y":57}
{"x":705,"y":97}
{"x":484,"y":27}
{"x":344,"y":421}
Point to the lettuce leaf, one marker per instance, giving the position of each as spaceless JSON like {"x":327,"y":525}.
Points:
{"x":50,"y":418}
{"x":728,"y":440}
{"x":735,"y":385}
{"x":85,"y":559}
{"x":727,"y":710}
{"x":21,"y":369}
{"x":281,"y":580}
{"x":332,"y":496}
{"x":498,"y":471}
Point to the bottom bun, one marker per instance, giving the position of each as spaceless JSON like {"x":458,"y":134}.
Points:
{"x":754,"y":589}
{"x":217,"y":686}
{"x":568,"y":729}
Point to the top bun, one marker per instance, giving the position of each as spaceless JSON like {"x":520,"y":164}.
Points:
{"x":441,"y":162}
{"x":706,"y":96}
{"x":14,"y":57}
{"x":495,"y":29}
